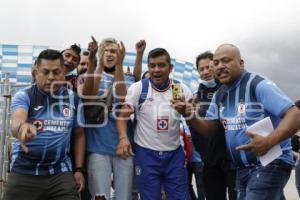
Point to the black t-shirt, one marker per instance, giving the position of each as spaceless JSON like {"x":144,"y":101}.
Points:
{"x":212,"y":148}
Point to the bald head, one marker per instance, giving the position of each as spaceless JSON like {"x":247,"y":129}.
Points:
{"x":230,"y":48}
{"x":228,"y":64}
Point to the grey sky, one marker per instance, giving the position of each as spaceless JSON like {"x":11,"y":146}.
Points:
{"x":267,"y":32}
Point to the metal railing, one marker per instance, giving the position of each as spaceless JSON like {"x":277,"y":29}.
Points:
{"x":7,"y":90}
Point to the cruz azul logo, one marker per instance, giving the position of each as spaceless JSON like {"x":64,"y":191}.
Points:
{"x":39,"y":124}
{"x":241,"y":108}
{"x":67,"y":112}
{"x":162,"y":124}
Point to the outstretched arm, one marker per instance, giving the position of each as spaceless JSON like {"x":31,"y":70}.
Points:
{"x":121,"y":90}
{"x":140,"y":48}
{"x":188,"y":111}
{"x":87,"y":87}
{"x":21,"y":129}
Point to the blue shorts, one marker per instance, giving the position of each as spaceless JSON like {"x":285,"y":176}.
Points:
{"x":157,"y":169}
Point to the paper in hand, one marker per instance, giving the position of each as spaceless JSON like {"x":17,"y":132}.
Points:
{"x":264,"y":127}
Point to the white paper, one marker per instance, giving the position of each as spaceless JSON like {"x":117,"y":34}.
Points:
{"x":264,"y":127}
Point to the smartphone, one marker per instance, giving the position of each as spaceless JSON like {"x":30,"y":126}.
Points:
{"x":177,"y":91}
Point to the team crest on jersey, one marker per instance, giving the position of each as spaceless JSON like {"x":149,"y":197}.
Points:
{"x":67,"y":112}
{"x":162,"y":124}
{"x":241,"y":108}
{"x":138,"y":170}
{"x":39,"y":124}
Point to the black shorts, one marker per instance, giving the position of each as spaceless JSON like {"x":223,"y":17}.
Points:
{"x":51,"y":187}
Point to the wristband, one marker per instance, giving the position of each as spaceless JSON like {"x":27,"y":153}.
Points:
{"x":79,"y":169}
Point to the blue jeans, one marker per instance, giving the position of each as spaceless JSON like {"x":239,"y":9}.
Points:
{"x":297,"y":174}
{"x":263,"y":183}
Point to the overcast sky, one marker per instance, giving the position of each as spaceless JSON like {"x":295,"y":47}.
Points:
{"x":267,"y":31}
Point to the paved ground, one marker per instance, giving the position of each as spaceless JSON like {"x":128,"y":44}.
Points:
{"x":290,"y":190}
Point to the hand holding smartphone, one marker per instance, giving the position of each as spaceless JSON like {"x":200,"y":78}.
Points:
{"x":177,"y":92}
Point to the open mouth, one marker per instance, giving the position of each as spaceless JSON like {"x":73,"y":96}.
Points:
{"x":68,"y":66}
{"x":157,"y":76}
{"x":109,"y":59}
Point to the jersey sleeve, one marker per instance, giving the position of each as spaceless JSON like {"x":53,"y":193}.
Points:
{"x":133,"y":94}
{"x":129,"y":79}
{"x":20,"y":100}
{"x":272,"y":98}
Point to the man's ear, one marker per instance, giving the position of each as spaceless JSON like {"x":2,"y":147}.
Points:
{"x":171,"y":67}
{"x":34,"y":69}
{"x":242,"y":63}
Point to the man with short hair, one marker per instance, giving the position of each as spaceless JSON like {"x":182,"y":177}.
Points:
{"x":218,"y":170}
{"x":71,"y":57}
{"x":44,"y":116}
{"x":83,"y":64}
{"x":159,"y":158}
{"x":244,"y":99}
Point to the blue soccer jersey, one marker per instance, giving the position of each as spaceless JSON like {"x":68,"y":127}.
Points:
{"x":104,"y":139}
{"x":54,"y":117}
{"x":248,"y":100}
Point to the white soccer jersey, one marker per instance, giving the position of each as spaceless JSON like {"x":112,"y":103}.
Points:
{"x":157,"y":121}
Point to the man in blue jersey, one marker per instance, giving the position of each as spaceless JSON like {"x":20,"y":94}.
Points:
{"x":218,"y":170}
{"x":102,"y":138}
{"x":44,"y":116}
{"x":244,"y":99}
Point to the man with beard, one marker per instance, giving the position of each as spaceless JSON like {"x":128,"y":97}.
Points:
{"x":244,"y":99}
